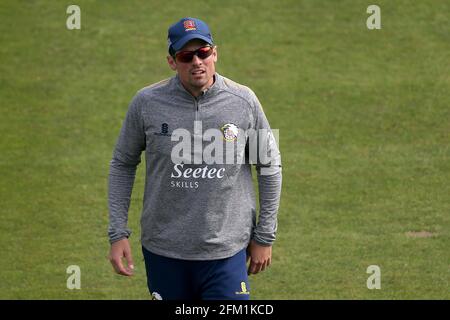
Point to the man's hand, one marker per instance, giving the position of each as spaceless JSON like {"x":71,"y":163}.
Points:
{"x":260,"y":257}
{"x":121,"y":249}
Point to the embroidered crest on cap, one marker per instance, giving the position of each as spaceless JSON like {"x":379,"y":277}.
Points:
{"x":189,"y":25}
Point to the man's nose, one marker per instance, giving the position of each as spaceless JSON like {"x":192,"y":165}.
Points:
{"x":196,"y":60}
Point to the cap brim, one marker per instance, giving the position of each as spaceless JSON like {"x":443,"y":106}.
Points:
{"x":180,"y":43}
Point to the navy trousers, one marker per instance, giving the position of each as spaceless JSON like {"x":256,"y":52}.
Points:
{"x":175,"y":279}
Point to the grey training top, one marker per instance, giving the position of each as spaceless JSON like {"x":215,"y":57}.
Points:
{"x":195,"y":210}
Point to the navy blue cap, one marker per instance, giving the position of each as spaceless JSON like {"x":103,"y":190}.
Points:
{"x":185,"y":30}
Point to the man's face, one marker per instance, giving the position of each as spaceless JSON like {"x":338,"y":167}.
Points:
{"x":197,"y":74}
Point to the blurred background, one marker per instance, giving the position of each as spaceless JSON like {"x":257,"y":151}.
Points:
{"x":364,"y":120}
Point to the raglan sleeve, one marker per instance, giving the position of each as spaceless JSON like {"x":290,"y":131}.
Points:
{"x":268,"y":168}
{"x":126,"y":157}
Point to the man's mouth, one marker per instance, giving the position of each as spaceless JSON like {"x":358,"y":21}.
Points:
{"x":197,"y":72}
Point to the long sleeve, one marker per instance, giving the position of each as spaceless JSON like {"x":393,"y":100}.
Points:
{"x":268,"y":166}
{"x":126,"y":158}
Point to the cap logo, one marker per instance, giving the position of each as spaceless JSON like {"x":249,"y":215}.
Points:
{"x":189,"y":25}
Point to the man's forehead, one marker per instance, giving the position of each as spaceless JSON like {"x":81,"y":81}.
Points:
{"x":193,"y":45}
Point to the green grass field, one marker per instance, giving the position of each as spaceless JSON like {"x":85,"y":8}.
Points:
{"x":364,"y":120}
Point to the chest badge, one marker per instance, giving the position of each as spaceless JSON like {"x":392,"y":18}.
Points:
{"x":230,"y":132}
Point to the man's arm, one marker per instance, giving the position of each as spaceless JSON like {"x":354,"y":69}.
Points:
{"x":269,"y":184}
{"x":126,"y":158}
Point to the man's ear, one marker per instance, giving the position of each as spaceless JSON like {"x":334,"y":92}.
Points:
{"x":215,"y":54}
{"x":172,"y":63}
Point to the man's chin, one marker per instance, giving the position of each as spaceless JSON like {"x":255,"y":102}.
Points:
{"x":199,"y":83}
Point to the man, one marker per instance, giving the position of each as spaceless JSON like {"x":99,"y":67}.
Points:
{"x":199,"y":217}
